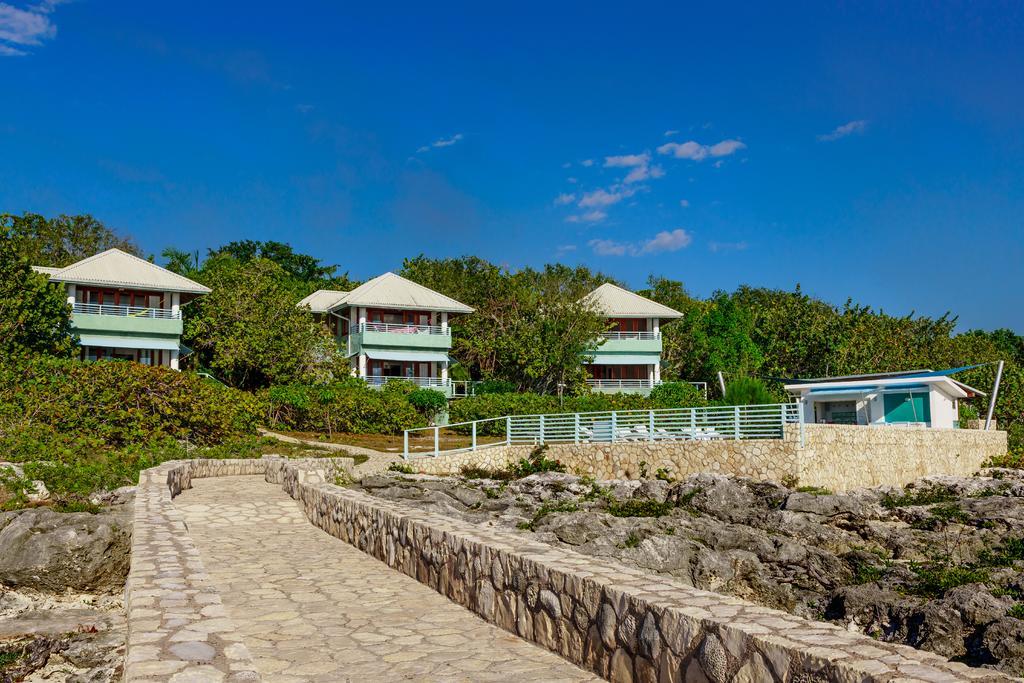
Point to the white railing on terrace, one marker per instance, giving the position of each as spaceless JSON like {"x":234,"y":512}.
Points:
{"x":418,"y":381}
{"x":631,"y":335}
{"x":624,"y":426}
{"x":402,"y":328}
{"x":621,"y":383}
{"x":126,"y":311}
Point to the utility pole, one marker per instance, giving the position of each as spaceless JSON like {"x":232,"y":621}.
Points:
{"x":995,"y":392}
{"x":721,"y":382}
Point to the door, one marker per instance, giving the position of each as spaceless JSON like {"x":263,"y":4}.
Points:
{"x":907,"y":407}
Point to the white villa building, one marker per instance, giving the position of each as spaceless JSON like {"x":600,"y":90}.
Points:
{"x":390,"y":327}
{"x":629,"y":359}
{"x":124,"y":307}
{"x":922,"y":398}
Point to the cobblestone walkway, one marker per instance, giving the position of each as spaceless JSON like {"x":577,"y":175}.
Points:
{"x":313,"y":608}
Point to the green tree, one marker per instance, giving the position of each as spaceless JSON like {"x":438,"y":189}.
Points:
{"x":250,"y":333}
{"x":61,"y":241}
{"x":34,"y":314}
{"x":747,"y":391}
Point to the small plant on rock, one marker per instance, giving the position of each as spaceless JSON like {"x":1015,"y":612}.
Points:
{"x":639,"y":507}
{"x":400,"y":467}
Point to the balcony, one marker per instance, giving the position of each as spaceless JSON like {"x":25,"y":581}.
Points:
{"x":399,"y":336}
{"x":131,"y":320}
{"x":430,"y":382}
{"x":620,"y":384}
{"x":631,"y":335}
{"x":402,"y":328}
{"x":630,"y":342}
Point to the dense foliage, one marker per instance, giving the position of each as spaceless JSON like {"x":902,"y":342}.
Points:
{"x":53,"y":408}
{"x":348,"y":405}
{"x":249,"y":332}
{"x":747,"y":391}
{"x":61,"y":241}
{"x":529,"y":327}
{"x":34,"y":315}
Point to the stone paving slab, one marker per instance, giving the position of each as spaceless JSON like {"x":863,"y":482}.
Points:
{"x":310,"y":607}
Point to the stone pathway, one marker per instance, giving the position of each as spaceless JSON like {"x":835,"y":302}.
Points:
{"x":313,"y":608}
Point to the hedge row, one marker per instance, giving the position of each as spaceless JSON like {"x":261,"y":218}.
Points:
{"x":351,"y":406}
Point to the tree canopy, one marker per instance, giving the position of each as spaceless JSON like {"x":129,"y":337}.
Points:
{"x":60,"y":241}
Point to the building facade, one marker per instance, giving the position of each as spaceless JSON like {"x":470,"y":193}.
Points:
{"x":126,"y":308}
{"x":391,"y":328}
{"x":629,"y":355}
{"x":916,"y":398}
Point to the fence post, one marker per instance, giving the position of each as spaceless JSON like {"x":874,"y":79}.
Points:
{"x":437,"y":440}
{"x":650,"y":425}
{"x":693,"y":423}
{"x":508,"y":430}
{"x":614,"y":425}
{"x":800,"y":409}
{"x":474,"y":435}
{"x":541,"y":430}
{"x":576,"y":428}
{"x":405,"y":444}
{"x":736,"y":424}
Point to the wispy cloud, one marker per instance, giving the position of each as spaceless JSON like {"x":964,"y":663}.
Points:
{"x":21,"y":28}
{"x":627,"y":160}
{"x":726,"y":246}
{"x":639,"y":165}
{"x":563,"y":249}
{"x":442,"y":142}
{"x":565,"y":198}
{"x":858,"y":126}
{"x":664,"y":241}
{"x":594,"y":216}
{"x":587,"y":163}
{"x":670,"y":133}
{"x":698,"y":152}
{"x":602,"y":197}
{"x":685,"y":203}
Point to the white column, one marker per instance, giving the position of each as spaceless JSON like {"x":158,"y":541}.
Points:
{"x":362,"y":365}
{"x":650,"y":372}
{"x":362,"y":316}
{"x":444,"y":324}
{"x":655,"y":326}
{"x":71,"y":295}
{"x":175,"y":304}
{"x":444,"y":371}
{"x":657,"y":372}
{"x":174,"y":359}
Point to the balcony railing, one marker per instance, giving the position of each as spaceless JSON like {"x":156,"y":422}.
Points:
{"x":621,"y":383}
{"x":631,"y":335}
{"x":126,"y":311}
{"x":402,"y":328}
{"x":418,"y":381}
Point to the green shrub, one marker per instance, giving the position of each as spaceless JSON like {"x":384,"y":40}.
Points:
{"x":639,"y":507}
{"x":428,"y":402}
{"x":747,"y":391}
{"x":49,"y":406}
{"x":536,"y":463}
{"x":925,"y":496}
{"x":400,"y":467}
{"x":348,"y":405}
{"x":676,"y":395}
{"x":934,"y":578}
{"x":494,"y":386}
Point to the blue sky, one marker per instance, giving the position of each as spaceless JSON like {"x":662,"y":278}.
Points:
{"x":873,"y":152}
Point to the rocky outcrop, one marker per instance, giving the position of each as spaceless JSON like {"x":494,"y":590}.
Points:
{"x":939,"y":566}
{"x":55,"y":551}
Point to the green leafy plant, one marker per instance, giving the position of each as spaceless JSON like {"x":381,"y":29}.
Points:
{"x":400,"y":467}
{"x":639,"y":507}
{"x":923,"y":496}
{"x":427,"y":402}
{"x":747,"y":391}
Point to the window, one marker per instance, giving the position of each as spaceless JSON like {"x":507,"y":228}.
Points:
{"x":907,"y":407}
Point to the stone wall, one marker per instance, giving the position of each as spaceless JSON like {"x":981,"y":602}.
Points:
{"x":623,"y":624}
{"x":839,"y":457}
{"x":842,"y":457}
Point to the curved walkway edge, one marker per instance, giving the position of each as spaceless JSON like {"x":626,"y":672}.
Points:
{"x":619,"y":622}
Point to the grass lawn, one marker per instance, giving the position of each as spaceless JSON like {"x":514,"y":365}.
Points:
{"x":392,"y":443}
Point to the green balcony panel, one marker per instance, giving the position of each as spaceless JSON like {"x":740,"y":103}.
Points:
{"x":631,"y":346}
{"x":87,"y":323}
{"x":393,"y":340}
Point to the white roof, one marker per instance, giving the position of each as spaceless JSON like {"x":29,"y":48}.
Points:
{"x":323,"y":300}
{"x":46,"y":270}
{"x":881,"y":384}
{"x":616,"y":302}
{"x":115,"y":268}
{"x":393,"y":291}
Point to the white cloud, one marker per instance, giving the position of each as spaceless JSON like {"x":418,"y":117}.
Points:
{"x":567,"y":165}
{"x":643,"y":173}
{"x":599,"y":198}
{"x":572,"y":180}
{"x":304,"y":108}
{"x":627,"y":160}
{"x":565,"y":198}
{"x":685,"y":203}
{"x":442,"y":142}
{"x":698,"y":152}
{"x":608,"y":247}
{"x":670,"y":133}
{"x":25,"y":27}
{"x":858,"y":126}
{"x":664,"y":241}
{"x":564,"y":249}
{"x":587,"y":162}
{"x":726,"y":246}
{"x":594,"y":216}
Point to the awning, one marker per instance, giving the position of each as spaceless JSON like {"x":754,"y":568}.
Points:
{"x":421,"y":356}
{"x":129,"y":342}
{"x":857,"y":391}
{"x":605,"y":359}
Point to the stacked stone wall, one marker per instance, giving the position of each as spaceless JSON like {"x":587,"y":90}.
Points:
{"x":839,"y":457}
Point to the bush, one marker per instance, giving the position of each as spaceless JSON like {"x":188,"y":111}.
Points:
{"x":428,"y":402}
{"x":348,"y":405}
{"x":676,"y":395}
{"x":747,"y":391}
{"x":494,"y":386}
{"x":49,"y":406}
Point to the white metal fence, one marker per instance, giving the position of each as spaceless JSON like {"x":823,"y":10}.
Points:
{"x":622,"y":426}
{"x":621,"y":383}
{"x":126,"y":311}
{"x":403,"y":328}
{"x":418,"y":381}
{"x":631,"y":335}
